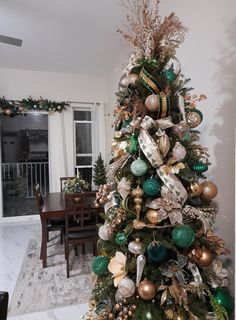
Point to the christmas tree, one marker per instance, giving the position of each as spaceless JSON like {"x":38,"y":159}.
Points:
{"x":99,"y":170}
{"x":158,"y":256}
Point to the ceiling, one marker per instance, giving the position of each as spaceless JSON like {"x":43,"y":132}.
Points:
{"x":75,"y":36}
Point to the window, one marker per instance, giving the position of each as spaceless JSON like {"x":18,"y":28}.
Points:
{"x":83,"y":143}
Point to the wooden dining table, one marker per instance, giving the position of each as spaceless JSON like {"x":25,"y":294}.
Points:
{"x":54,"y":207}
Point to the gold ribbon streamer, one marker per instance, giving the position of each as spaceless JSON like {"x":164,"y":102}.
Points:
{"x":147,"y":143}
{"x":173,"y":184}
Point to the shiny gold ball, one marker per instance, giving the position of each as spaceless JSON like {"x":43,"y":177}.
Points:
{"x":152,"y":216}
{"x":209,"y":190}
{"x":111,"y":316}
{"x":137,"y":192}
{"x":201,"y":256}
{"x":130,"y":314}
{"x":193,"y":119}
{"x":118,"y":306}
{"x":195,"y":189}
{"x":147,"y":290}
{"x":152,"y":103}
{"x":133,"y":307}
{"x":96,"y":205}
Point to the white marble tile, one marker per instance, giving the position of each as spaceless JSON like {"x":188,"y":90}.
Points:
{"x":67,"y":313}
{"x":14,"y":239}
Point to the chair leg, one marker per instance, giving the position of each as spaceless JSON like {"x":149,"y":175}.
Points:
{"x":83,"y":248}
{"x":67,"y":258}
{"x":76,"y":250}
{"x":95,"y":248}
{"x":61,"y":237}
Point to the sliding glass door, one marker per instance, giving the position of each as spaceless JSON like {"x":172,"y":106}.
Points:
{"x":24,"y":146}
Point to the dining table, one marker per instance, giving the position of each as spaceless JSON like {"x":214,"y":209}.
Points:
{"x":54,"y":207}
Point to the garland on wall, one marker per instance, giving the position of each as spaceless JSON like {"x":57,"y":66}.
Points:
{"x":14,"y":108}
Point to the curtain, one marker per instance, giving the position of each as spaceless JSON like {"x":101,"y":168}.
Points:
{"x":60,"y":146}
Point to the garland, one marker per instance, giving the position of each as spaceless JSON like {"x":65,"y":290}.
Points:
{"x":21,"y":107}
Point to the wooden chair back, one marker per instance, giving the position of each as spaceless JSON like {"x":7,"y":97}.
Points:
{"x":80,"y":212}
{"x":62,"y":181}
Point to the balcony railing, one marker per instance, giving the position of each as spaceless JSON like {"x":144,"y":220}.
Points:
{"x":19,"y":178}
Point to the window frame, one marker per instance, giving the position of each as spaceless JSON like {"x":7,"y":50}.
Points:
{"x":75,"y":122}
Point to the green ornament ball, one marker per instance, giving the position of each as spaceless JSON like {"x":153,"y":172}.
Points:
{"x":151,"y":187}
{"x":100,"y":265}
{"x":121,"y":238}
{"x":170,"y":75}
{"x":183,"y":236}
{"x":138,"y":167}
{"x":199,"y":167}
{"x":156,"y":252}
{"x":133,"y":145}
{"x":224,"y":299}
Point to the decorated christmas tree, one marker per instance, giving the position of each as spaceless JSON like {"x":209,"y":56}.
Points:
{"x":158,"y":256}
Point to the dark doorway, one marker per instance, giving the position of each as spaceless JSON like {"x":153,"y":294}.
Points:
{"x":24,"y":141}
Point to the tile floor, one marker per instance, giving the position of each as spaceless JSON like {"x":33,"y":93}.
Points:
{"x":14,"y":238}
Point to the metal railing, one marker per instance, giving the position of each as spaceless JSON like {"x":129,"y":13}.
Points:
{"x":20,"y":178}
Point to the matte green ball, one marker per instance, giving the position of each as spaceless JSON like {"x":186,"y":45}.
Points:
{"x":183,"y":236}
{"x":100,"y":265}
{"x":151,"y":187}
{"x":224,"y":299}
{"x":138,"y":168}
{"x":156,"y":252}
{"x":199,"y":167}
{"x":121,"y":238}
{"x":170,"y":75}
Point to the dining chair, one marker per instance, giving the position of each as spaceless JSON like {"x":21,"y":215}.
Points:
{"x":81,"y":220}
{"x":4,"y":296}
{"x":62,"y":181}
{"x":53,"y":224}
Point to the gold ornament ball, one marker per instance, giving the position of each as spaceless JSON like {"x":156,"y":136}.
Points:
{"x":195,"y":188}
{"x":209,"y":190}
{"x":152,"y":216}
{"x":96,"y":205}
{"x":137,"y":192}
{"x":111,"y":316}
{"x":147,"y":290}
{"x":193,"y":119}
{"x":152,"y":103}
{"x":202,"y":256}
{"x":118,"y":306}
{"x":133,"y":307}
{"x":130,"y":314}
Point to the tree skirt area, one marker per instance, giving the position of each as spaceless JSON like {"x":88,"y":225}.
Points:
{"x":39,"y":289}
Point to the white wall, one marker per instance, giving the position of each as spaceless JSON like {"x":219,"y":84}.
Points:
{"x":208,"y":57}
{"x":18,"y":84}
